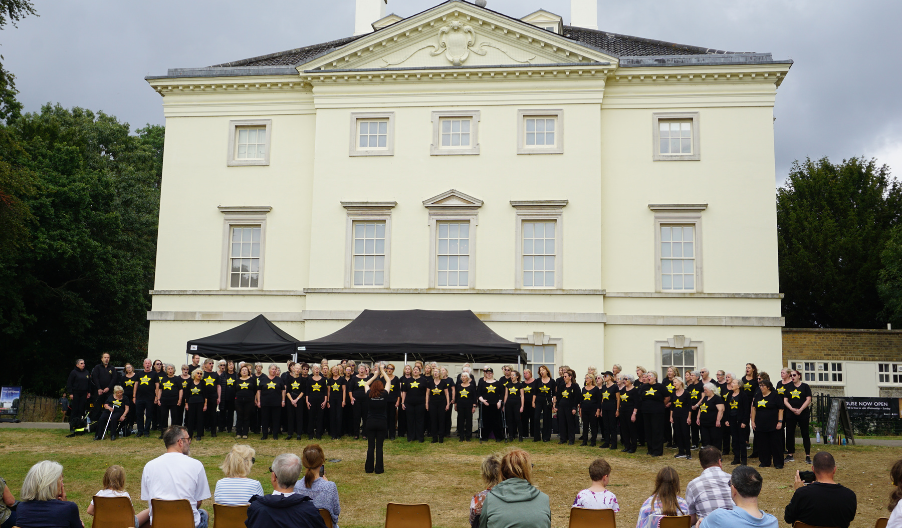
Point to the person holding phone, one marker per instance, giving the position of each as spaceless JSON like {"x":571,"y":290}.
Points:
{"x":315,"y":484}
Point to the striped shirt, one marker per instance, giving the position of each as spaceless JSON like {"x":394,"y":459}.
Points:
{"x":236,"y":491}
{"x":708,"y":492}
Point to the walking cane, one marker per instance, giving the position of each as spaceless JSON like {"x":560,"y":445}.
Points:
{"x":107,"y":425}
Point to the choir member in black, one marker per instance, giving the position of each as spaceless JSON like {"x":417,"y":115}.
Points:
{"x":157,"y":414}
{"x":781,"y":387}
{"x":738,"y":409}
{"x":798,"y":412}
{"x":317,"y":392}
{"x":654,"y":402}
{"x":145,"y":397}
{"x":680,"y":416}
{"x":376,"y":425}
{"x":256,"y":416}
{"x":114,"y":413}
{"x":437,"y":402}
{"x":170,"y":396}
{"x":750,"y":388}
{"x":212,"y":392}
{"x":528,"y":411}
{"x":104,"y":378}
{"x":767,"y":422}
{"x":427,"y":375}
{"x":228,"y":382}
{"x":640,"y":421}
{"x":543,"y":398}
{"x":195,"y":364}
{"x":305,"y":412}
{"x":337,"y":397}
{"x":723,"y":388}
{"x":128,"y":380}
{"x":556,"y":424}
{"x":270,"y":400}
{"x":567,"y":402}
{"x":449,"y":412}
{"x":696,"y":390}
{"x":347,"y":414}
{"x":465,"y":407}
{"x":629,"y":398}
{"x":710,"y":416}
{"x":394,"y":397}
{"x":195,"y":406}
{"x":513,"y":406}
{"x":610,"y":409}
{"x":491,"y":396}
{"x":295,"y":386}
{"x":589,"y":410}
{"x":78,"y":387}
{"x":672,"y":372}
{"x":407,"y":374}
{"x":358,"y":397}
{"x":185,"y":378}
{"x":245,"y":396}
{"x":413,"y":400}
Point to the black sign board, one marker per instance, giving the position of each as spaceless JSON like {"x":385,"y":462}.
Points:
{"x":838,"y":412}
{"x":873,"y":407}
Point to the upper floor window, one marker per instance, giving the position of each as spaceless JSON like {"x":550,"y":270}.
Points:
{"x":369,"y":253}
{"x":676,"y":136}
{"x":677,"y":258}
{"x":249,"y":142}
{"x":455,"y":133}
{"x":539,"y":252}
{"x":372,"y":134}
{"x":541,"y":132}
{"x":453,"y":257}
{"x":244,"y":259}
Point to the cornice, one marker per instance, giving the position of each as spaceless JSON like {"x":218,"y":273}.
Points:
{"x":596,"y":71}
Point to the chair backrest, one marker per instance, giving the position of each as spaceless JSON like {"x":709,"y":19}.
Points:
{"x":172,"y":513}
{"x":800,"y":524}
{"x":881,"y":522}
{"x":113,"y":512}
{"x":677,"y":521}
{"x":586,"y":518}
{"x":327,"y":517}
{"x":407,"y":516}
{"x":229,"y":516}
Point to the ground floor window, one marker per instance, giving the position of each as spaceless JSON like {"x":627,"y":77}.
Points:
{"x":820,"y":372}
{"x":889,"y":373}
{"x":683,"y":359}
{"x":538,"y":355}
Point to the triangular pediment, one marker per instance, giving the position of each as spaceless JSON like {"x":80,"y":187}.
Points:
{"x":452,"y":198}
{"x":459,"y":34}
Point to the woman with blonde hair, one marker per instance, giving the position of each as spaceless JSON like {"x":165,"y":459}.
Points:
{"x":515,"y":501}
{"x":589,"y":410}
{"x":236,"y":489}
{"x":317,"y":390}
{"x":491,"y":476}
{"x":315,"y":484}
{"x":44,"y":499}
{"x":665,"y":501}
{"x":337,"y":397}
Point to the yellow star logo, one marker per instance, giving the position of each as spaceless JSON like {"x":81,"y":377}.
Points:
{"x":566,"y":393}
{"x":195,"y":390}
{"x":512,"y":390}
{"x":117,"y":403}
{"x":527,"y":389}
{"x":544,"y":388}
{"x":415,"y":385}
{"x":490,"y":388}
{"x":703,"y":408}
{"x":694,"y":393}
{"x":145,"y":380}
{"x":587,"y":396}
{"x":244,"y":385}
{"x":747,"y":386}
{"x":390,"y":387}
{"x":670,"y":387}
{"x":796,"y":393}
{"x":209,"y":380}
{"x":361,"y":383}
{"x":185,"y":384}
{"x":436,"y":391}
{"x":295,"y":385}
{"x":781,"y":390}
{"x":650,"y":392}
{"x":605,"y":395}
{"x":230,"y":382}
{"x":624,"y":397}
{"x":678,"y":403}
{"x":129,"y":383}
{"x":271,"y":385}
{"x":167,"y":385}
{"x":762,"y":403}
{"x":464,"y":393}
{"x":734,"y":404}
{"x":316,"y":387}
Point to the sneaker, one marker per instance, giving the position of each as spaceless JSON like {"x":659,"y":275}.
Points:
{"x":679,"y":455}
{"x":789,"y":458}
{"x":807,"y":459}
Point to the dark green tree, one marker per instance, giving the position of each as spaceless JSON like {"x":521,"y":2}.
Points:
{"x":890,"y":278}
{"x":833,"y":221}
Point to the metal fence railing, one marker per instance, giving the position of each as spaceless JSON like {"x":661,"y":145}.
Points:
{"x":33,"y":408}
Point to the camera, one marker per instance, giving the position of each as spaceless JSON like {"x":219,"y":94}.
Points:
{"x":807,"y":476}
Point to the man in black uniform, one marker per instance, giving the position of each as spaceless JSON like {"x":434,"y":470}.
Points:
{"x":146,"y":397}
{"x":79,"y":388}
{"x":213,"y":394}
{"x":195,"y":363}
{"x":103,"y":377}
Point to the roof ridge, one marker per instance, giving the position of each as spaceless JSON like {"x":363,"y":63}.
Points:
{"x":710,"y":51}
{"x":331,"y":43}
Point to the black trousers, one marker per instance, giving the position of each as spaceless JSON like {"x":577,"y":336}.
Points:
{"x":375,"y":431}
{"x":112,"y":420}
{"x":667,"y":428}
{"x":512,"y":413}
{"x":437,"y":422}
{"x":227,"y":413}
{"x":628,"y":430}
{"x":567,"y":424}
{"x":416,"y":422}
{"x":465,"y":422}
{"x":157,"y":417}
{"x":315,"y":420}
{"x":725,"y":442}
{"x":711,"y":436}
{"x":640,"y":428}
{"x":295,"y":423}
{"x":170,"y":412}
{"x":129,"y":422}
{"x":391,"y":412}
{"x":270,"y":418}
{"x":737,"y":433}
{"x":194,"y":420}
{"x":144,"y":415}
{"x":802,"y":420}
{"x":95,"y":406}
{"x":210,"y":416}
{"x":694,"y":428}
{"x":402,"y":422}
{"x":609,"y":423}
{"x":491,"y":422}
{"x":681,"y":434}
{"x":541,"y":422}
{"x":590,"y":424}
{"x":526,"y":418}
{"x":770,"y":447}
{"x":336,"y":413}
{"x":245,"y":410}
{"x":77,"y":406}
{"x":359,"y":416}
{"x":654,"y":434}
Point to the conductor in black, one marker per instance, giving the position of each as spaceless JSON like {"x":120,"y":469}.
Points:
{"x":79,"y":388}
{"x":104,"y":377}
{"x":376,"y":426}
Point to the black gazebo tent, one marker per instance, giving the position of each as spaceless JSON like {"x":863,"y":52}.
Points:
{"x":258,"y":338}
{"x":433,"y":335}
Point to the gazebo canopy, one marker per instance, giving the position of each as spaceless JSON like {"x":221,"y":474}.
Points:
{"x":258,"y":338}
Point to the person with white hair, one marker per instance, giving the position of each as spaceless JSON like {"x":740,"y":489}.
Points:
{"x":465,"y":407}
{"x":43,"y":499}
{"x":710,"y":416}
{"x":284,"y":508}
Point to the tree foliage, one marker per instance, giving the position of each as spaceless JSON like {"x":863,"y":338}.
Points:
{"x":890,"y":278}
{"x":90,"y":198}
{"x":833,"y":221}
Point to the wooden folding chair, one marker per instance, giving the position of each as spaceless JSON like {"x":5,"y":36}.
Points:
{"x":676,"y":521}
{"x":172,"y":513}
{"x":800,"y":524}
{"x":229,"y":516}
{"x":881,"y":522}
{"x":327,"y":517}
{"x":586,"y":518}
{"x":407,"y":516}
{"x":113,"y":512}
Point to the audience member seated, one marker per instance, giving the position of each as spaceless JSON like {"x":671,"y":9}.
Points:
{"x":174,"y":475}
{"x":284,"y":508}
{"x":44,"y":499}
{"x":515,"y":501}
{"x":745,"y":486}
{"x":823,"y":502}
{"x":236,"y":489}
{"x":315,"y":484}
{"x":665,"y":500}
{"x":597,"y":496}
{"x":491,"y":475}
{"x":710,"y":490}
{"x":895,"y":498}
{"x":7,"y":515}
{"x":114,"y":486}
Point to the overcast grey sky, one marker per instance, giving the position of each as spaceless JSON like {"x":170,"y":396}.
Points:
{"x":841,"y":98}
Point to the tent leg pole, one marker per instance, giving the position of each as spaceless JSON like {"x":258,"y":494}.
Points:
{"x":405,"y":359}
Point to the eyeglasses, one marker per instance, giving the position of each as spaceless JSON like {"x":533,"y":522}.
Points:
{"x":270,"y":469}
{"x":793,"y":375}
{"x":185,"y":438}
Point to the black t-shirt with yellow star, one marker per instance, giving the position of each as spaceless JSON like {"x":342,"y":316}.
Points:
{"x":680,"y":405}
{"x":748,"y":385}
{"x":696,"y":392}
{"x":195,"y":392}
{"x":210,"y":381}
{"x":229,"y":385}
{"x":415,"y":391}
{"x":128,"y":383}
{"x":246,"y":389}
{"x":568,"y":397}
{"x":512,"y":389}
{"x":653,"y":397}
{"x":707,"y":411}
{"x":629,"y":399}
{"x":295,"y":386}
{"x":271,"y":391}
{"x":335,"y":389}
{"x":317,"y":390}
{"x":358,"y":386}
{"x":491,"y":391}
{"x":147,"y":386}
{"x":544,"y":392}
{"x":782,"y":388}
{"x":589,"y":399}
{"x":170,"y":389}
{"x":767,"y":410}
{"x":118,"y":405}
{"x":668,"y":384}
{"x":796,"y":396}
{"x":528,"y":392}
{"x":437,"y":391}
{"x":466,"y":397}
{"x":608,"y":397}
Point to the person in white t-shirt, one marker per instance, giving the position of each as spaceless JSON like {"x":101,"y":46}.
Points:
{"x":114,"y":486}
{"x":174,"y":475}
{"x":597,"y":496}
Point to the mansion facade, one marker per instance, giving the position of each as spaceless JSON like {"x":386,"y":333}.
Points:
{"x":597,"y":197}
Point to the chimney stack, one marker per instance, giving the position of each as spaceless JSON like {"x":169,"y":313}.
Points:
{"x":368,"y":11}
{"x":583,"y":13}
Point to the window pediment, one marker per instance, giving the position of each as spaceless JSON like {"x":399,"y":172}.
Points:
{"x":452,"y":200}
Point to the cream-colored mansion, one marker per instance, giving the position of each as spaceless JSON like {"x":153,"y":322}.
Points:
{"x":598,"y":197}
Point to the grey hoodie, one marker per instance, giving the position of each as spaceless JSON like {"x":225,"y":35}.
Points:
{"x":515,"y":503}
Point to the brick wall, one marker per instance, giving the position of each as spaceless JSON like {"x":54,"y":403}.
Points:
{"x":841,"y":344}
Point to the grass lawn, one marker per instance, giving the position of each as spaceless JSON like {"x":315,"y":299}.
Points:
{"x":443,"y":475}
